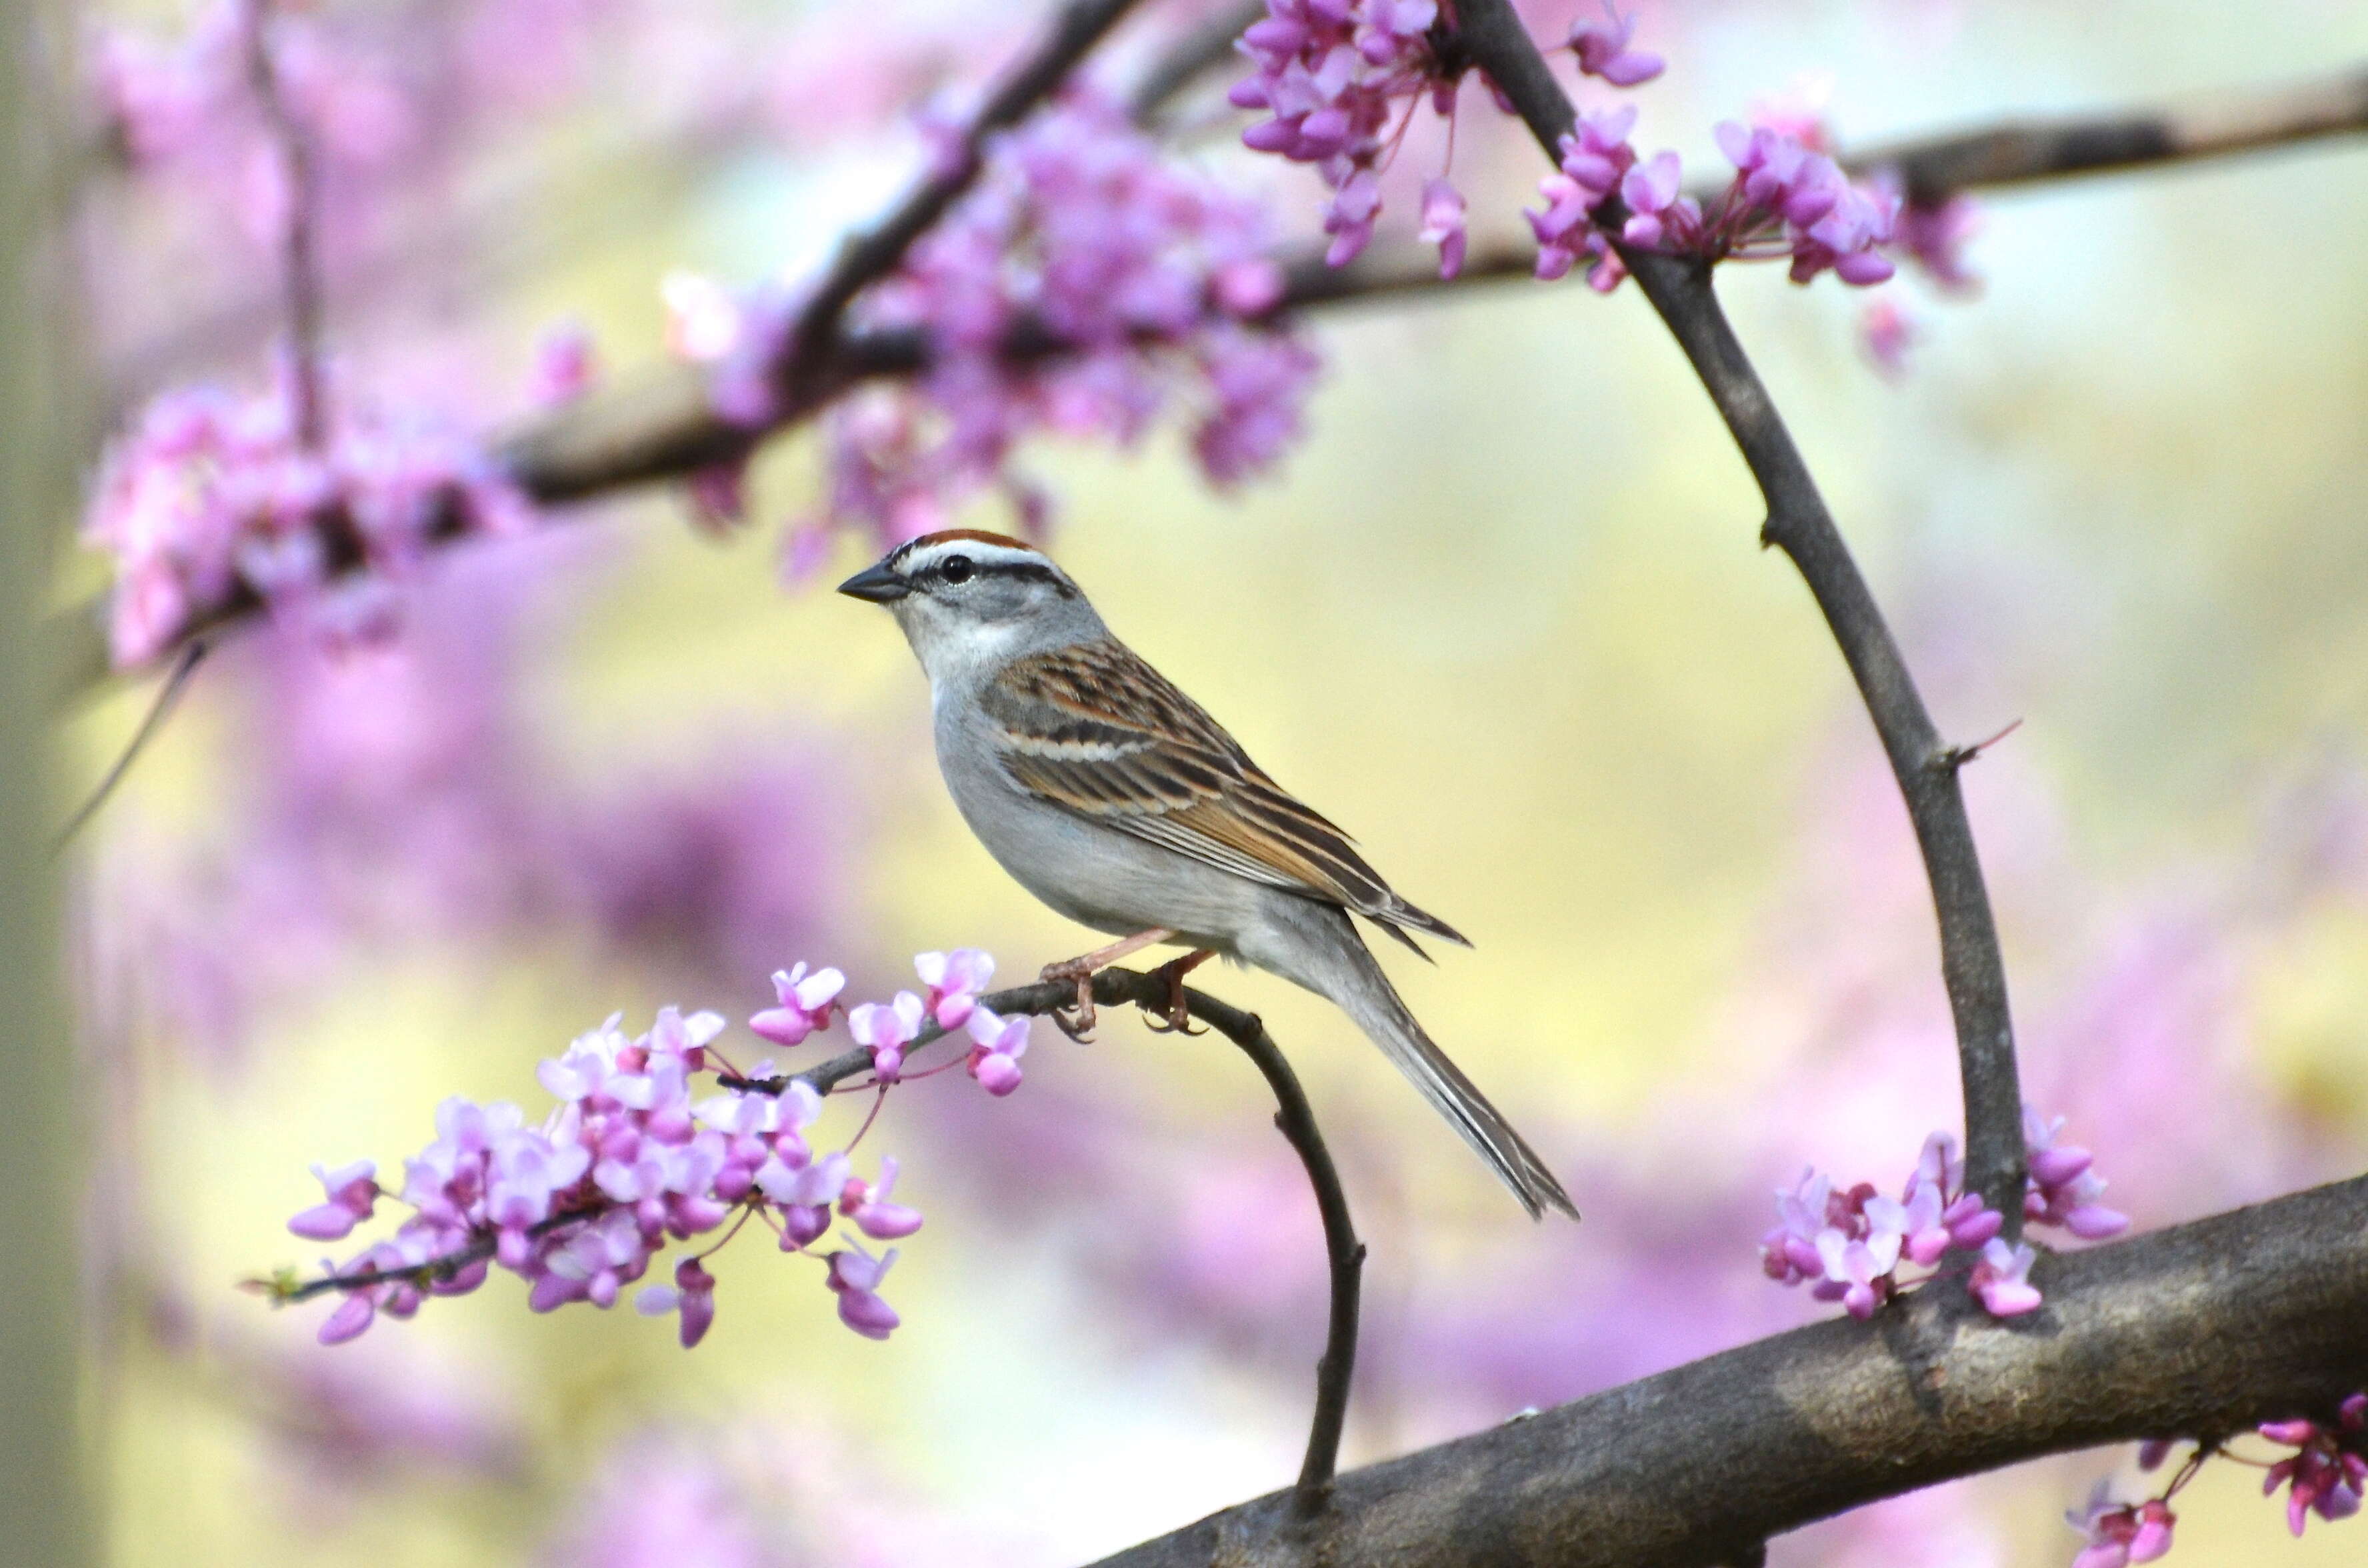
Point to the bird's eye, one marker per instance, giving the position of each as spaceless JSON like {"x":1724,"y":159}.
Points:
{"x":957,"y":569}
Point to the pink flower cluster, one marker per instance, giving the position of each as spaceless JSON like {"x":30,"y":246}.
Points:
{"x":1341,"y":81}
{"x":1850,"y":1245}
{"x":2327,"y":1473}
{"x":1086,"y":286}
{"x":2117,"y":1534}
{"x":632,"y":1158}
{"x":213,"y":496}
{"x":2063,"y":1190}
{"x":1786,"y":199}
{"x":1333,"y":75}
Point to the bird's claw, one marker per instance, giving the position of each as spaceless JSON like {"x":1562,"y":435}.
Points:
{"x":1077,"y":1020}
{"x":1177,"y":1017}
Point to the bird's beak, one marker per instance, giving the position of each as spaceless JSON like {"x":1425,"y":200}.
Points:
{"x":877,"y":583}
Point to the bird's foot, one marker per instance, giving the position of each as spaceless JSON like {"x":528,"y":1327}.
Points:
{"x":1077,"y":1020}
{"x":1177,"y":1018}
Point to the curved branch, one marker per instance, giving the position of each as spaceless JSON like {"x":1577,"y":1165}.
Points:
{"x":2200,"y":1331}
{"x":1798,"y":523}
{"x":662,"y":426}
{"x":1344,"y":1256}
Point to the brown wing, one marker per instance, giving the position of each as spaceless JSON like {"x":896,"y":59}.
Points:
{"x":1096,"y":731}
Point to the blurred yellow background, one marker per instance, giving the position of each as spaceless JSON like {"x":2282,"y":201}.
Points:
{"x":1503,"y":616}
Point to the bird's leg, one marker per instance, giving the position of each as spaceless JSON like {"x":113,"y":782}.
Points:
{"x":1178,"y":1018}
{"x":1081,"y":970}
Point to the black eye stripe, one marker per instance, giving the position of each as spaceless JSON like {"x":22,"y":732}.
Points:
{"x":972,"y":568}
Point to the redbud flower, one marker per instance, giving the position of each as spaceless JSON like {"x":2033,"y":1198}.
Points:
{"x":1887,"y":331}
{"x":856,"y":1275}
{"x":2063,"y":1190}
{"x":805,"y":1003}
{"x":210,"y":493}
{"x":1335,"y":75}
{"x":954,"y":980}
{"x":887,"y":1029}
{"x":2329,"y":1474}
{"x":692,"y":1294}
{"x":564,"y":366}
{"x":867,"y":1204}
{"x":2118,"y":1534}
{"x":1602,"y":50}
{"x":995,"y":1056}
{"x":353,"y":1194}
{"x":1443,"y":224}
{"x":2002,"y":1278}
{"x":1657,"y":214}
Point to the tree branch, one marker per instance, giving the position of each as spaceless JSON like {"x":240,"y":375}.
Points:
{"x":2020,"y":151}
{"x":864,"y":259}
{"x":663,"y":426}
{"x":1974,"y":972}
{"x":2200,"y":1331}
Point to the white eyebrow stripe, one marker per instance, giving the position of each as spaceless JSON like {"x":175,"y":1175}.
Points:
{"x":922,"y":557}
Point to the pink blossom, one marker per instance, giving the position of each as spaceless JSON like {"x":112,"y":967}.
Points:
{"x":804,"y":1005}
{"x":1443,"y":224}
{"x":1602,"y":50}
{"x":1849,"y":1245}
{"x":1887,"y":331}
{"x":1082,"y":233}
{"x":565,"y":365}
{"x":1658,"y":215}
{"x":1594,"y":156}
{"x":1340,"y":78}
{"x":997,"y":1046}
{"x":2327,"y":1474}
{"x":867,"y":1204}
{"x":954,"y":980}
{"x":2002,"y":1278}
{"x":581,"y":1205}
{"x":855,"y":1275}
{"x":352,"y":1196}
{"x":692,"y":1295}
{"x":211,"y":494}
{"x":2117,"y":1534}
{"x":887,"y":1029}
{"x":2064,"y":1189}
{"x":1937,"y":236}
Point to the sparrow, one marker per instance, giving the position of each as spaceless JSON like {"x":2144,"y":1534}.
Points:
{"x":1115,"y":800}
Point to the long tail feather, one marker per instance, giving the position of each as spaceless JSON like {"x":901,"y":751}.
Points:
{"x":1365,"y":993}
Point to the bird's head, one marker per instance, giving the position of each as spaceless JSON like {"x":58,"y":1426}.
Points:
{"x":970,"y":600}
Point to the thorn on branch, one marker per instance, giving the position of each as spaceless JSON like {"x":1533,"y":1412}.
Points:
{"x":1951,"y":758}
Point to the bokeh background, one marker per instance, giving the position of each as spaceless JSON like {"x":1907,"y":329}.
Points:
{"x":1501,"y":613}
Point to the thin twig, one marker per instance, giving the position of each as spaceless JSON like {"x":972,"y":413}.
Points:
{"x":184,"y":665}
{"x":1344,"y":1254}
{"x":1199,"y":50}
{"x":865,"y":259}
{"x":663,"y":426}
{"x":300,"y":258}
{"x":1798,"y":523}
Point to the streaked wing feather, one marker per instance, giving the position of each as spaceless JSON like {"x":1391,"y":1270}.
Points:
{"x":1097,"y":732}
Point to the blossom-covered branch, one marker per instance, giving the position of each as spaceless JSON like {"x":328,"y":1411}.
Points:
{"x":632,"y":1157}
{"x":1678,"y":288}
{"x":664,"y":424}
{"x":2207,"y":1329}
